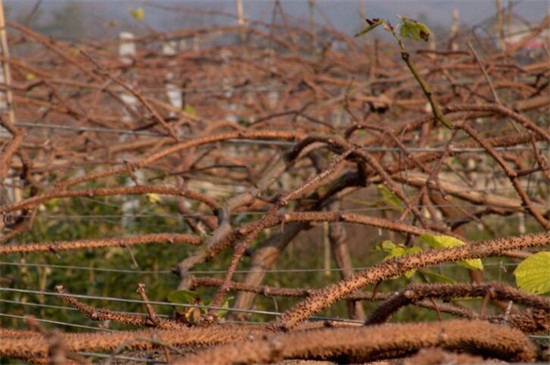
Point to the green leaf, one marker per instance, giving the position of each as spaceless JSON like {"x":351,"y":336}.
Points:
{"x":373,"y":23}
{"x":439,"y":242}
{"x":396,"y":251}
{"x":533,"y":273}
{"x":182,"y":297}
{"x":190,"y":109}
{"x":192,"y":315}
{"x":153,"y":198}
{"x":388,"y":246}
{"x":222,"y":313}
{"x":389,"y":197}
{"x":137,"y":13}
{"x":413,"y":30}
{"x":437,"y":278}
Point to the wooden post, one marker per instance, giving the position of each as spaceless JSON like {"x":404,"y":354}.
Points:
{"x":312,"y":27}
{"x":13,"y":193}
{"x":241,"y":21}
{"x":500,"y":26}
{"x":453,"y":46}
{"x":126,"y":53}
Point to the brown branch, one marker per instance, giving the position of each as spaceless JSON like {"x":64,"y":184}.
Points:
{"x":512,"y":175}
{"x":272,"y":291}
{"x":387,"y":269}
{"x":268,"y":219}
{"x":105,"y":314}
{"x":366,"y":344}
{"x":482,"y":198}
{"x":146,"y":161}
{"x":170,"y":238}
{"x":447,"y":292}
{"x":27,"y":348}
{"x":130,"y":190}
{"x":150,"y":310}
{"x":500,"y":109}
{"x":11,"y":147}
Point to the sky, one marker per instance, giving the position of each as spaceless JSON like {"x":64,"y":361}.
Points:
{"x":343,"y":14}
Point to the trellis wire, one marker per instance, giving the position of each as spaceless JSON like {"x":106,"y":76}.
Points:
{"x":240,"y":213}
{"x":152,"y":302}
{"x":121,"y":357}
{"x":65,"y":308}
{"x":206,"y":272}
{"x":38,"y":305}
{"x":58,"y":323}
{"x":80,"y":296}
{"x":136,"y":301}
{"x":271,"y":143}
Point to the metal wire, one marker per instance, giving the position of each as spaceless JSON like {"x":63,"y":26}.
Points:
{"x":115,"y":217}
{"x":313,"y":318}
{"x":80,"y":296}
{"x":136,"y":301}
{"x":280,"y":143}
{"x":120,"y":357}
{"x":37,"y":305}
{"x":213,"y":272}
{"x":59,"y":323}
{"x":64,"y":308}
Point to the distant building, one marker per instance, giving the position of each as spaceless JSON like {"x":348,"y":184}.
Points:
{"x":522,"y":36}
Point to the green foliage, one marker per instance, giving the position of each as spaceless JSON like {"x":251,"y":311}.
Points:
{"x":389,"y":197}
{"x":409,"y":29}
{"x":413,"y":30}
{"x":190,"y":109}
{"x":398,"y":250}
{"x":95,"y":272}
{"x":436,"y":277}
{"x":395,"y":251}
{"x":439,"y":242}
{"x":191,"y":297}
{"x":243,"y":122}
{"x":138,"y":13}
{"x":182,"y":297}
{"x":533,"y":273}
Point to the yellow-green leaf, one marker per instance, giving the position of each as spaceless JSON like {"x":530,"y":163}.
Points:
{"x":439,"y":242}
{"x":533,"y":273}
{"x":395,"y":251}
{"x":192,"y":315}
{"x":154,"y":198}
{"x":389,"y":197}
{"x":182,"y":297}
{"x":225,"y":304}
{"x":437,"y":278}
{"x":388,"y":246}
{"x":190,"y":109}
{"x":137,"y":13}
{"x":413,"y":30}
